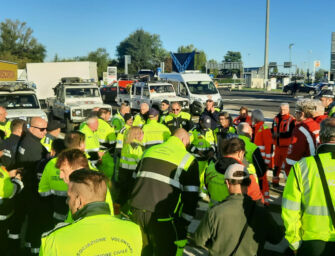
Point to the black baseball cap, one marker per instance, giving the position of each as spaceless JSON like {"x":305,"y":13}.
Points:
{"x":166,"y":102}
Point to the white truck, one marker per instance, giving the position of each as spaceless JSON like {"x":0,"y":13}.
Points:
{"x":74,"y":101}
{"x":45,"y":75}
{"x":196,"y":87}
{"x":20,"y":100}
{"x":152,"y":93}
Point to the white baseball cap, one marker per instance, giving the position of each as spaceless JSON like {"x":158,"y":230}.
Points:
{"x":230,"y":173}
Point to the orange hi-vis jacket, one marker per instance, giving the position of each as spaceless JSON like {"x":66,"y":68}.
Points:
{"x":283,"y":125}
{"x":304,"y":141}
{"x":263,"y":139}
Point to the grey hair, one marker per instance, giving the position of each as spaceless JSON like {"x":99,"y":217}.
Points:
{"x":257,"y":116}
{"x":242,"y":129}
{"x":306,"y":106}
{"x":327,"y":130}
{"x":320,"y":109}
{"x":284,"y":104}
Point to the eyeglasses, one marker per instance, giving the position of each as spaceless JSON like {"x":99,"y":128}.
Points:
{"x":175,"y":109}
{"x":42,"y":129}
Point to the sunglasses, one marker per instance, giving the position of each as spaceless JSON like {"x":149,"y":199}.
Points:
{"x":41,"y":129}
{"x":175,"y":109}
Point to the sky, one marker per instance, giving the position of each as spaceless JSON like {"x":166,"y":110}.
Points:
{"x":74,"y":28}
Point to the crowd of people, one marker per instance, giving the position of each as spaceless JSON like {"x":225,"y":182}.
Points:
{"x":130,"y":185}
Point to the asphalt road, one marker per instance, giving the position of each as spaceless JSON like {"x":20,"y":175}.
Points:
{"x":265,"y":101}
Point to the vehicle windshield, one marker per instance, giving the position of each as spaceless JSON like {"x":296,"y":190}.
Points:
{"x":18,"y":101}
{"x":202,"y":87}
{"x":82,"y":92}
{"x":159,"y":88}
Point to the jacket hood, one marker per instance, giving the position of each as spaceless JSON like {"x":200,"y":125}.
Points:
{"x":222,"y":164}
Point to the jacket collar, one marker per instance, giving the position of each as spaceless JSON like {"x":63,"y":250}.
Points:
{"x":326,"y":148}
{"x":258,"y":125}
{"x":92,"y":209}
{"x":176,"y":142}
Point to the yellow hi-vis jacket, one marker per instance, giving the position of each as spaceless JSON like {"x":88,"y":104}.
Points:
{"x":155,"y":133}
{"x":304,"y":208}
{"x":5,"y":127}
{"x":94,"y":232}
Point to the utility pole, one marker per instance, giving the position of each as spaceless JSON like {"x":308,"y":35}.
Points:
{"x":290,"y":52}
{"x":266,"y":54}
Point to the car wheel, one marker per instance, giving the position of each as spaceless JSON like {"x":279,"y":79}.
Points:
{"x":311,"y":92}
{"x":289,"y":91}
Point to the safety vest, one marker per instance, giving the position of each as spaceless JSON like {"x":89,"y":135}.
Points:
{"x":217,"y":130}
{"x":201,"y":141}
{"x":249,"y":148}
{"x":120,"y":136}
{"x":282,"y":125}
{"x":107,"y":165}
{"x":139,"y":120}
{"x":95,"y":232}
{"x":331,"y":112}
{"x":5,"y":127}
{"x":263,"y":139}
{"x":118,"y":122}
{"x":305,"y":139}
{"x":216,"y":185}
{"x":131,"y":155}
{"x":174,"y":122}
{"x":105,"y":133}
{"x":171,"y":153}
{"x":154,"y":133}
{"x":91,"y":139}
{"x":47,"y":142}
{"x":304,"y":208}
{"x":162,"y":116}
{"x":8,"y":188}
{"x":52,"y":184}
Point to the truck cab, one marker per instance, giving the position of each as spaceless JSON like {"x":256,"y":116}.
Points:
{"x":74,"y":101}
{"x":20,"y":100}
{"x":196,"y":87}
{"x":152,"y":93}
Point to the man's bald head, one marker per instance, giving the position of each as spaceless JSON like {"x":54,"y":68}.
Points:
{"x":183,"y":135}
{"x":38,"y":127}
{"x":3,"y":114}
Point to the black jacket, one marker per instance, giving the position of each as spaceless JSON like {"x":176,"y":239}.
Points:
{"x":30,"y":152}
{"x":213,"y":116}
{"x":9,"y":147}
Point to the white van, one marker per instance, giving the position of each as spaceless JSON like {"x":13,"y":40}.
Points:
{"x":196,"y":87}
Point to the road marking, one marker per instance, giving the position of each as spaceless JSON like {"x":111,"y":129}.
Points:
{"x":251,"y":99}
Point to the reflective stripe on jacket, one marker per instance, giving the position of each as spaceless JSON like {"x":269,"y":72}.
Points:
{"x":304,"y":208}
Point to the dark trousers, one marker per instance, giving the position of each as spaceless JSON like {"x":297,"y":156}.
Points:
{"x":158,"y":237}
{"x":126,"y":184}
{"x":3,"y":237}
{"x":316,"y":248}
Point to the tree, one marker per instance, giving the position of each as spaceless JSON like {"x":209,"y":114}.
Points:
{"x":319,"y":75}
{"x":101,"y":57}
{"x":199,"y":59}
{"x":232,"y":56}
{"x":17,"y":43}
{"x":145,"y":49}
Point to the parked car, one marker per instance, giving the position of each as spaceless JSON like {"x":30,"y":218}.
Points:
{"x":295,"y":87}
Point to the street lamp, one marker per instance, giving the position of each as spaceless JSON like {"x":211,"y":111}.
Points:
{"x":290,"y":51}
{"x":266,"y":53}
